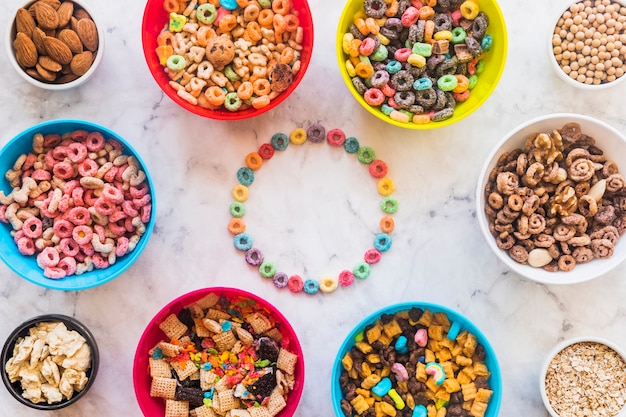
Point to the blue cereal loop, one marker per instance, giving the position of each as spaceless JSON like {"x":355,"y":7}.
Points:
{"x":311,"y":286}
{"x":280,"y":141}
{"x":393,"y":66}
{"x":486,"y":43}
{"x":351,"y":145}
{"x":243,"y":241}
{"x":228,"y":4}
{"x":382,"y":242}
{"x":455,"y":329}
{"x":245,"y":176}
{"x":423,"y":83}
{"x":386,"y":109}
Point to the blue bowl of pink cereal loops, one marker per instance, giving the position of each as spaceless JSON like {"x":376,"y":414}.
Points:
{"x":66,"y":220}
{"x":420,"y":356}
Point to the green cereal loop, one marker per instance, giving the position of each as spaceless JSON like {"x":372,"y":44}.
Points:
{"x":176,"y":62}
{"x":408,"y":113}
{"x":423,"y":49}
{"x":232,"y":102}
{"x":230,"y":73}
{"x":280,"y":141}
{"x":389,"y":205}
{"x":480,"y":67}
{"x":458,"y":35}
{"x":267,"y":269}
{"x":381,"y":54}
{"x":351,"y":145}
{"x":447,"y":83}
{"x":237,"y":209}
{"x":266,"y":4}
{"x":473,"y":80}
{"x":361,"y":270}
{"x":366,"y":155}
{"x":364,"y":58}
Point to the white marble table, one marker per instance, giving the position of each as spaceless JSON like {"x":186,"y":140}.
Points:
{"x":303,"y":201}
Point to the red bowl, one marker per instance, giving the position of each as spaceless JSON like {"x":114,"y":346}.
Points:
{"x":154,"y":20}
{"x":155,"y":407}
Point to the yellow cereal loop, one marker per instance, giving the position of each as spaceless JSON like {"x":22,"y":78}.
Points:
{"x":417,"y":60}
{"x":443,"y":35}
{"x":328,"y":284}
{"x":469,"y":9}
{"x":385,"y":186}
{"x":383,"y":39}
{"x":240,"y":193}
{"x":350,"y":69}
{"x":298,"y":136}
{"x":346,"y":42}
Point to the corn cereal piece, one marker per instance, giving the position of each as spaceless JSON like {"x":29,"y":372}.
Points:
{"x":463,"y":361}
{"x":363,"y":347}
{"x":420,"y":372}
{"x":392,"y":329}
{"x":429,"y":356}
{"x":159,"y":368}
{"x":448,"y":344}
{"x":163,"y":388}
{"x":365,"y":369}
{"x":176,"y":408}
{"x":442,"y":412}
{"x":468,"y":391}
{"x":370,"y":401}
{"x":431,"y":384}
{"x":221,"y":385}
{"x":467,"y":405}
{"x":483,"y":395}
{"x":244,"y":335}
{"x":184,"y":369}
{"x":480,"y":369}
{"x":388,"y":409}
{"x":384,"y":339}
{"x":426,"y":319}
{"x":259,"y":323}
{"x":261,"y":411}
{"x":373,"y":358}
{"x":462,"y":337}
{"x":451,"y":385}
{"x":442,"y":319}
{"x":347,"y":362}
{"x":478,"y":409}
{"x":353,"y":373}
{"x":373,"y":333}
{"x":444,"y":355}
{"x":365,"y":393}
{"x":172,"y":327}
{"x":434,"y":345}
{"x":435,"y":332}
{"x":469,"y":347}
{"x":465,"y":376}
{"x":286,"y":361}
{"x":196,"y":311}
{"x":359,"y":404}
{"x":442,"y":394}
{"x":378,"y":411}
{"x":447,"y":369}
{"x":370,"y":381}
{"x":275,"y":334}
{"x":431,"y":410}
{"x":276,"y":402}
{"x":410,"y":400}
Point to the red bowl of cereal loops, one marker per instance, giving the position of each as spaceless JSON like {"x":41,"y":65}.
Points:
{"x":218,"y":350}
{"x":76,"y":204}
{"x":227,"y":60}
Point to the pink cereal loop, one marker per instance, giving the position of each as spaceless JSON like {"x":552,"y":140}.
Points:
{"x":63,"y":228}
{"x":63,"y":170}
{"x":69,"y":246}
{"x":139,"y":191}
{"x":121,"y":246}
{"x":117,"y":229}
{"x":140,"y":202}
{"x":88,"y":168}
{"x":26,"y":246}
{"x":79,"y":135}
{"x":100,"y":232}
{"x":146,"y":212}
{"x":104,"y":207}
{"x":117,"y":216}
{"x":346,"y":278}
{"x":32,"y":227}
{"x":82,"y":235}
{"x":87,"y":249}
{"x":49,"y":160}
{"x":77,"y":152}
{"x":94,"y":141}
{"x":60,"y":152}
{"x":70,"y":186}
{"x":64,"y":203}
{"x":77,"y":196}
{"x":41,"y":175}
{"x":402,"y":54}
{"x":54,"y":272}
{"x":31,"y":158}
{"x":48,"y":257}
{"x":89,"y":198}
{"x":18,"y":235}
{"x":110,"y":174}
{"x":78,"y":216}
{"x":68,"y":265}
{"x":112,"y":194}
{"x":128,"y":224}
{"x":99,"y":262}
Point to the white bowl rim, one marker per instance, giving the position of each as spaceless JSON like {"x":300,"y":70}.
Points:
{"x":538,"y":274}
{"x":558,"y":348}
{"x":563,"y":6}
{"x":50,"y":86}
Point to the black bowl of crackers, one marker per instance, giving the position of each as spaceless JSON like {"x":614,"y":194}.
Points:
{"x":50,"y":362}
{"x":215,"y":351}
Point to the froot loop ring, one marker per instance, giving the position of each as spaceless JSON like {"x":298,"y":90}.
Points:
{"x":328,"y":283}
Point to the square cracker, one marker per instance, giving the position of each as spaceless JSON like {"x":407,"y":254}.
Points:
{"x":260,"y":324}
{"x":286,"y":361}
{"x":175,"y":408}
{"x":184,"y":369}
{"x":163,"y":388}
{"x":159,"y":368}
{"x":261,"y":411}
{"x":276,"y":402}
{"x":172,"y":327}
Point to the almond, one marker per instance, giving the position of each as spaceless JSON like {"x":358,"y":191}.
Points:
{"x":24,"y":22}
{"x":49,"y":64}
{"x":33,"y":73}
{"x":87,"y":33}
{"x":71,"y":39}
{"x":55,"y":4}
{"x":57,"y":50}
{"x":45,"y":74}
{"x":25,"y":50}
{"x":81,"y":14}
{"x":38,"y":36}
{"x":81,"y":63}
{"x":46,"y":16}
{"x":65,"y":11}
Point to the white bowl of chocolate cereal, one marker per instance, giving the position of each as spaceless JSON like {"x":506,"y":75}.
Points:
{"x":551,"y":199}
{"x":587,"y":43}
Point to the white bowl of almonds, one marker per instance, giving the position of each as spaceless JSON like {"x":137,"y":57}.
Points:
{"x":551,"y":199}
{"x":584,"y":376}
{"x":54,"y":44}
{"x":587,"y":44}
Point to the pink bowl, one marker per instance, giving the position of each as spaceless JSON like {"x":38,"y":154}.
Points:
{"x":155,"y":407}
{"x":154,"y":20}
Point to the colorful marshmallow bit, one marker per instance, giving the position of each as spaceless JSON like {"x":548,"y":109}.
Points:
{"x":436,"y":371}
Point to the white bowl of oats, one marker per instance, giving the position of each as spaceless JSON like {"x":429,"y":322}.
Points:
{"x":584,"y":376}
{"x":550,"y":199}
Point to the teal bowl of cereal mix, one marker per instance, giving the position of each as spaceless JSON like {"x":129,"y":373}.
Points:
{"x":424,"y":66}
{"x":420,"y":357}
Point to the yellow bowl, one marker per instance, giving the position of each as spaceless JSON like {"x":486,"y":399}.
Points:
{"x":494,"y":66}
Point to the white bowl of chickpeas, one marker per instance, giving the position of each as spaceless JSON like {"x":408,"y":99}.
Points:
{"x":587,"y":46}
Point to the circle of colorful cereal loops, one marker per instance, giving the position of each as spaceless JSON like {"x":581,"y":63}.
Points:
{"x":336,"y":138}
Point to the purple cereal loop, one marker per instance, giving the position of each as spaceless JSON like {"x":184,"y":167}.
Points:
{"x":316,"y":133}
{"x":254,"y":256}
{"x":280,"y":280}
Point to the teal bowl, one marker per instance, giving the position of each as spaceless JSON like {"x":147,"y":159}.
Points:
{"x":491,"y":361}
{"x":26,"y":266}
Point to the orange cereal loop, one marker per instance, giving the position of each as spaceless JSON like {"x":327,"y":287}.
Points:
{"x":251,"y":13}
{"x":431,"y":3}
{"x":298,"y":136}
{"x":372,"y":26}
{"x":462,"y":83}
{"x":291,"y":23}
{"x":429,"y":30}
{"x":354,"y":47}
{"x":392,"y":8}
{"x":364,"y":69}
{"x":245,"y":90}
{"x":171,"y":6}
{"x":236,"y":226}
{"x":266,"y":18}
{"x":262,"y":87}
{"x":286,"y":56}
{"x":165,"y":38}
{"x":260,"y":102}
{"x":387,"y":224}
{"x":227,"y":23}
{"x":164,"y":52}
{"x":243,"y":3}
{"x":240,"y":193}
{"x":253,"y":32}
{"x":361,"y":26}
{"x":426,"y":12}
{"x":421,"y":119}
{"x":215,"y":95}
{"x":254,"y":161}
{"x":282,"y":6}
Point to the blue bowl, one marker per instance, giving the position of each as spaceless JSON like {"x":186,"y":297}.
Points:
{"x":495,"y":380}
{"x":26,"y":266}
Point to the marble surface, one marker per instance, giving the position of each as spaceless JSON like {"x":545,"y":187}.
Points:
{"x":315,"y":210}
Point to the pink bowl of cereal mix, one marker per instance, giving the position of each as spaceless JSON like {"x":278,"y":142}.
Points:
{"x":587,"y":43}
{"x":551,"y":199}
{"x":218,"y":351}
{"x":227,"y":59}
{"x":75,"y":204}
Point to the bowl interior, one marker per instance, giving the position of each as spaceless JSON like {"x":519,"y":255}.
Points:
{"x":11,"y":31}
{"x":26,"y":266}
{"x":23,"y":330}
{"x":495,"y":61}
{"x":614,"y":146}
{"x":154,"y":21}
{"x":491,"y":360}
{"x":152,"y":335}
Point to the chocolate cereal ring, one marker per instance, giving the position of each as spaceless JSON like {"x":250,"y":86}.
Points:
{"x":375,"y":8}
{"x":316,"y":133}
